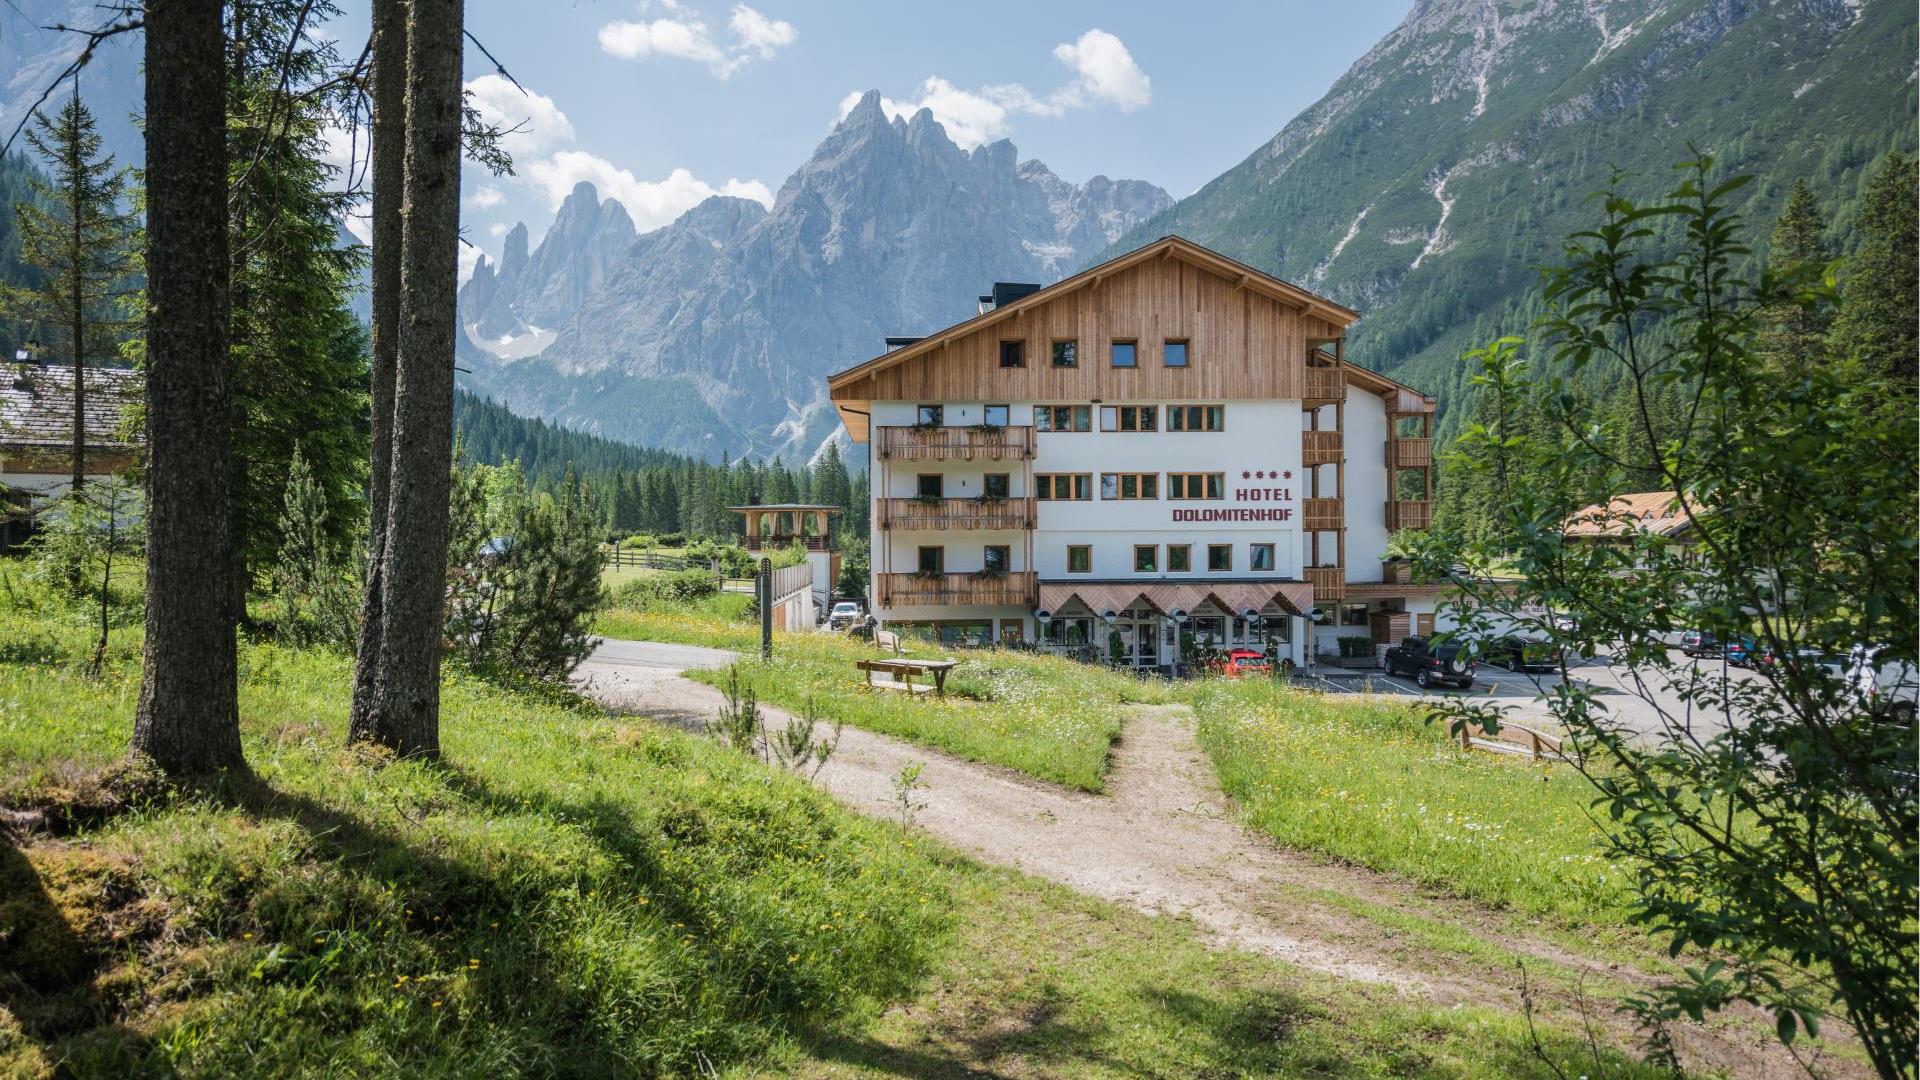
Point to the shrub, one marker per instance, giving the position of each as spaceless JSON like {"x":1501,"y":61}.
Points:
{"x":658,"y":590}
{"x":1356,"y":645}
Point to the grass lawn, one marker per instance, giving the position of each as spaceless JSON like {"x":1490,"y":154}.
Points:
{"x":569,"y":894}
{"x":1050,"y":718}
{"x":1372,"y":783}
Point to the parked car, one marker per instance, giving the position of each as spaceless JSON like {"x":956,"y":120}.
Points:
{"x":1516,"y":653}
{"x":1240,"y":663}
{"x":1738,"y":651}
{"x":1431,"y":665}
{"x":844,"y":614}
{"x":1888,"y":689}
{"x":1565,"y":623}
{"x":1700,"y":643}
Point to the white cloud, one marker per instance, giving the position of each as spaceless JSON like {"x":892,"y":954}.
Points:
{"x":534,"y":124}
{"x":687,"y":35}
{"x":486,"y":197}
{"x":470,"y":255}
{"x":1105,"y":74}
{"x":498,"y":229}
{"x":651,"y":203}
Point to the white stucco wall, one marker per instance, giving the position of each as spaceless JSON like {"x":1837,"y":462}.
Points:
{"x":1365,"y":425}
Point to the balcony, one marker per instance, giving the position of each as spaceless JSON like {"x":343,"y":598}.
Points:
{"x":934,"y":590}
{"x":1411,"y":453}
{"x":957,"y":513}
{"x":1409,"y":514}
{"x":1324,"y":386}
{"x":980,"y":443}
{"x":782,"y":543}
{"x":1320,"y":515}
{"x":1321,"y":448}
{"x":1329,"y":583}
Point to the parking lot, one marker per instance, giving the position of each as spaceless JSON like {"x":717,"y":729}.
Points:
{"x":1525,"y":694}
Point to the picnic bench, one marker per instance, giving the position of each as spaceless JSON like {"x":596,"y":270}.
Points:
{"x":903,"y":669}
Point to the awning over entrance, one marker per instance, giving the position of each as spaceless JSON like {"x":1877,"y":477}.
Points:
{"x":1294,"y":597}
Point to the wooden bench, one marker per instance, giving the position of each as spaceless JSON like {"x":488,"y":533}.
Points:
{"x":903,"y":670}
{"x":886,"y":641}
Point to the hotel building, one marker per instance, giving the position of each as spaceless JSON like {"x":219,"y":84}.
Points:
{"x":1168,"y":443}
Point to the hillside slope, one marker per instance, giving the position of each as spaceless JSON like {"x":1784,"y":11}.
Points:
{"x":1448,"y":163}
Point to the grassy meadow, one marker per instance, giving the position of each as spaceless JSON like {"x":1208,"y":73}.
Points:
{"x":1372,"y":783}
{"x":569,"y":894}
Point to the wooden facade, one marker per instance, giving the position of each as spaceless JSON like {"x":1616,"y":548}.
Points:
{"x":1247,"y":338}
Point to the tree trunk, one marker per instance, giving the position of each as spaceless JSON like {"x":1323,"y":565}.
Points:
{"x":188,"y":719}
{"x":77,"y":204}
{"x":389,"y":176}
{"x":406,"y":709}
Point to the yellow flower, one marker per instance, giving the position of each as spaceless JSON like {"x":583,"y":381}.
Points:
{"x":436,"y":1004}
{"x":248,"y":936}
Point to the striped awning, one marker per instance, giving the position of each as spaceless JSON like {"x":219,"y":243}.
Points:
{"x":1294,"y":597}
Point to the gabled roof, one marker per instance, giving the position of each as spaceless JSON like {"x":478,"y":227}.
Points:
{"x":1658,"y":513}
{"x":1166,"y":247}
{"x":36,"y":405}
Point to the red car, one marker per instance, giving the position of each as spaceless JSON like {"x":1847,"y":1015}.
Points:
{"x":1243,"y":662}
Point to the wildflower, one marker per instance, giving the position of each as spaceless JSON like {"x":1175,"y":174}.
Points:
{"x":436,"y":1004}
{"x":248,"y":936}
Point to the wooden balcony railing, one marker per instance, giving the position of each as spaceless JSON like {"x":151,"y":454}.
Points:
{"x":1325,"y":385}
{"x":957,"y":513}
{"x":1409,"y":514}
{"x":1396,"y":572}
{"x":1322,"y":514}
{"x":954,"y":443}
{"x":1412,"y":453}
{"x":914,"y":590}
{"x":1329,"y":582}
{"x":766,"y":543}
{"x":1322,"y":447}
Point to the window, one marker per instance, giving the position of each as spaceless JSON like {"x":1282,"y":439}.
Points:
{"x":1068,"y":632}
{"x":995,"y":415}
{"x":1130,"y":485}
{"x":1013,"y":354}
{"x":1059,"y":487}
{"x":1176,"y":354}
{"x":1066,"y":354}
{"x":1353,"y":615}
{"x":976,"y":635}
{"x":997,"y":558}
{"x":933,"y":560}
{"x":1196,"y":417}
{"x":1146,"y":559}
{"x":995,"y":485}
{"x":931,"y":486}
{"x":1129,"y":417}
{"x":1179,"y":558}
{"x":1210,"y":629}
{"x":1196,"y":485}
{"x":1260,"y":556}
{"x":930,"y":416}
{"x":1124,"y":354}
{"x":1326,"y":548}
{"x":1219,"y":557}
{"x":1079,"y":558}
{"x":1063,"y":418}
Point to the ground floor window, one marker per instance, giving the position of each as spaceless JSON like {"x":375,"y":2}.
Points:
{"x":1068,"y":632}
{"x":966,"y":634}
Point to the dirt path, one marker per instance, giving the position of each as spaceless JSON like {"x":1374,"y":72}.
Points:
{"x":1163,"y":840}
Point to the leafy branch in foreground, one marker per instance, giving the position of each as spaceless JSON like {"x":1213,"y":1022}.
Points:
{"x":1770,"y":819}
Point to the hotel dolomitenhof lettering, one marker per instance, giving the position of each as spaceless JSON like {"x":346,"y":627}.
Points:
{"x":1168,"y":442}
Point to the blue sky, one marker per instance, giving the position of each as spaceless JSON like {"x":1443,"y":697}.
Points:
{"x":664,"y":101}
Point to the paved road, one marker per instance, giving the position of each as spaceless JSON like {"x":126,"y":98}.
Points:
{"x":1638,"y":708}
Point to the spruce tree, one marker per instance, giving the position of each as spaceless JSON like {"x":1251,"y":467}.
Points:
{"x":1794,"y":334}
{"x":1875,"y":329}
{"x":76,"y":233}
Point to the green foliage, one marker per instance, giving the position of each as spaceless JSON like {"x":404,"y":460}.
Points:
{"x":79,"y":541}
{"x":76,"y":235}
{"x":1352,"y":645}
{"x":314,"y":578}
{"x":667,"y":589}
{"x":1781,"y":851}
{"x":1875,"y":328}
{"x":299,"y":356}
{"x":524,"y":583}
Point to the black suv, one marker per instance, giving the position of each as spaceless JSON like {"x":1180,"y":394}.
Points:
{"x":1525,"y":654}
{"x":1429,"y":665}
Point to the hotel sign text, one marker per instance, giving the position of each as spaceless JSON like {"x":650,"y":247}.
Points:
{"x":1252,"y":514}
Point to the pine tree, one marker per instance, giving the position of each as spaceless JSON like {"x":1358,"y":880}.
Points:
{"x":80,"y":239}
{"x":1875,"y":329}
{"x":1794,"y":334}
{"x":299,"y":355}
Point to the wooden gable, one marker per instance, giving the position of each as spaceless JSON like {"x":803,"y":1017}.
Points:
{"x":1248,"y":337}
